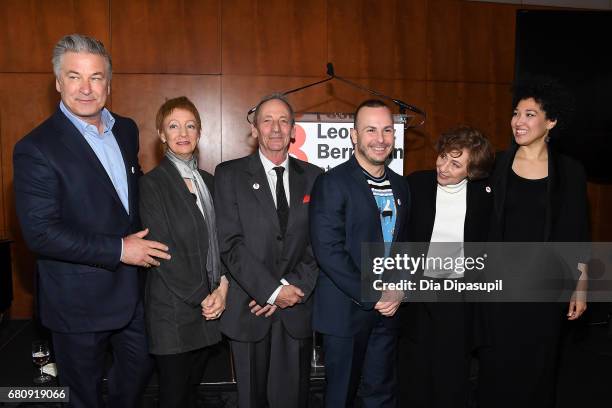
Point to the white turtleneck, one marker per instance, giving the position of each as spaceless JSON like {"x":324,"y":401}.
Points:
{"x":451,"y":203}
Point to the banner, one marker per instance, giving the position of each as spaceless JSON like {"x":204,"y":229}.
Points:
{"x":324,"y":139}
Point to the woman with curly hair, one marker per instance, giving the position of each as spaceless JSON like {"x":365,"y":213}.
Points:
{"x":449,"y":206}
{"x":539,"y":196}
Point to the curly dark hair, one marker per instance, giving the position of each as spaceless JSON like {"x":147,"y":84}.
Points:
{"x":554,"y":99}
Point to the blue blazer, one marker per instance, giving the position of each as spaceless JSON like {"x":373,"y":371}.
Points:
{"x":72,"y":217}
{"x":343,"y":215}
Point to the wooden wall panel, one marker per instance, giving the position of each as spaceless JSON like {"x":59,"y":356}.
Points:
{"x":453,"y":58}
{"x":600,"y":197}
{"x":274,"y":37}
{"x":378,"y":39}
{"x":35,"y":95}
{"x":470,"y":42}
{"x":140,"y":96}
{"x":485,"y":106}
{"x":166,"y":36}
{"x":240,"y":93}
{"x":30,"y":28}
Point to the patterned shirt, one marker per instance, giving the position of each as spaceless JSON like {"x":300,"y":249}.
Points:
{"x":383,"y":195}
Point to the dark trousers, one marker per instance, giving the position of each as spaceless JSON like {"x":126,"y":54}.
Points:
{"x":518,"y":366}
{"x":80,"y":361}
{"x":434,"y":356}
{"x":179,"y":377}
{"x":368,"y":356}
{"x":273,"y":372}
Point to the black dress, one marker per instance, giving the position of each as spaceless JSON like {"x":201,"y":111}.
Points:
{"x":518,"y":361}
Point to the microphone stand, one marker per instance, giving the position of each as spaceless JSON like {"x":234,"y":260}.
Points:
{"x":290,"y":92}
{"x":403,"y":106}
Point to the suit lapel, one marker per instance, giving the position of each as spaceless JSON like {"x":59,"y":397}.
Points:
{"x":178,"y":185}
{"x":364,"y":188}
{"x":430,"y":206}
{"x":121,"y":141}
{"x":297,"y":187}
{"x":502,"y":171}
{"x":258,"y":182}
{"x":76,"y":143}
{"x":401,"y":201}
{"x":553,"y":195}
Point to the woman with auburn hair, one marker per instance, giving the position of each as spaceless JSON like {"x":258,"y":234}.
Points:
{"x":450,"y":204}
{"x":185,"y":295}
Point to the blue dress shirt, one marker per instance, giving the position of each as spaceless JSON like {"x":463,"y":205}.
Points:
{"x":106,"y":149}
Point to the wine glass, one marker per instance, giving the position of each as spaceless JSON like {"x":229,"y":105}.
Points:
{"x":40,"y":356}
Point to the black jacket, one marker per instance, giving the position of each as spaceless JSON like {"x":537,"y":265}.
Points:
{"x":566,"y":208}
{"x":424,"y":187}
{"x":175,"y":289}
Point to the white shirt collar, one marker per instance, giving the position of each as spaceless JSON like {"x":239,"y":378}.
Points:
{"x":269,"y":166}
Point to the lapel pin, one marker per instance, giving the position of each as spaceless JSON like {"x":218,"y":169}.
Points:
{"x":399,"y":202}
{"x":256,"y":186}
{"x":133,"y":171}
{"x":488,"y":189}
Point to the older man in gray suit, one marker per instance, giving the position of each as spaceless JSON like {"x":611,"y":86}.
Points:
{"x":262,"y":207}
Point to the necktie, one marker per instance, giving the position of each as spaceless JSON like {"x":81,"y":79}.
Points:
{"x":282,"y":207}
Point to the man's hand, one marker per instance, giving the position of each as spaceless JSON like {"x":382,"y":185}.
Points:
{"x":141,"y":252}
{"x":389,"y":302}
{"x":288,"y":296}
{"x":267,"y":310}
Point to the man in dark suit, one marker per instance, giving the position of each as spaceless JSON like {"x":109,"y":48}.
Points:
{"x":76,"y":194}
{"x":360,"y":201}
{"x":262,"y":211}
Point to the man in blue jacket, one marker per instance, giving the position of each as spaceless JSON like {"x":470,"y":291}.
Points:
{"x":76,"y":194}
{"x":360,"y":201}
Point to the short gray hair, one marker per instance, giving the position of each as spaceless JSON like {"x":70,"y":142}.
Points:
{"x":274,"y":96}
{"x":79,"y":43}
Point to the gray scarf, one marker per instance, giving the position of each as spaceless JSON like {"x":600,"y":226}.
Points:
{"x":188,"y":169}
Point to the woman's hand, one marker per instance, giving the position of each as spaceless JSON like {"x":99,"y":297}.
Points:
{"x":578,"y":302}
{"x":214,"y":304}
{"x":577,"y":306}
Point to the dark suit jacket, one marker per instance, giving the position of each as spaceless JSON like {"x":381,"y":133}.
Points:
{"x":175,"y":289}
{"x":72,"y":217}
{"x":255,"y":253}
{"x":343,"y":215}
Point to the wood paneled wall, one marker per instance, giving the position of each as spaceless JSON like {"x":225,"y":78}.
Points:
{"x":452,"y":58}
